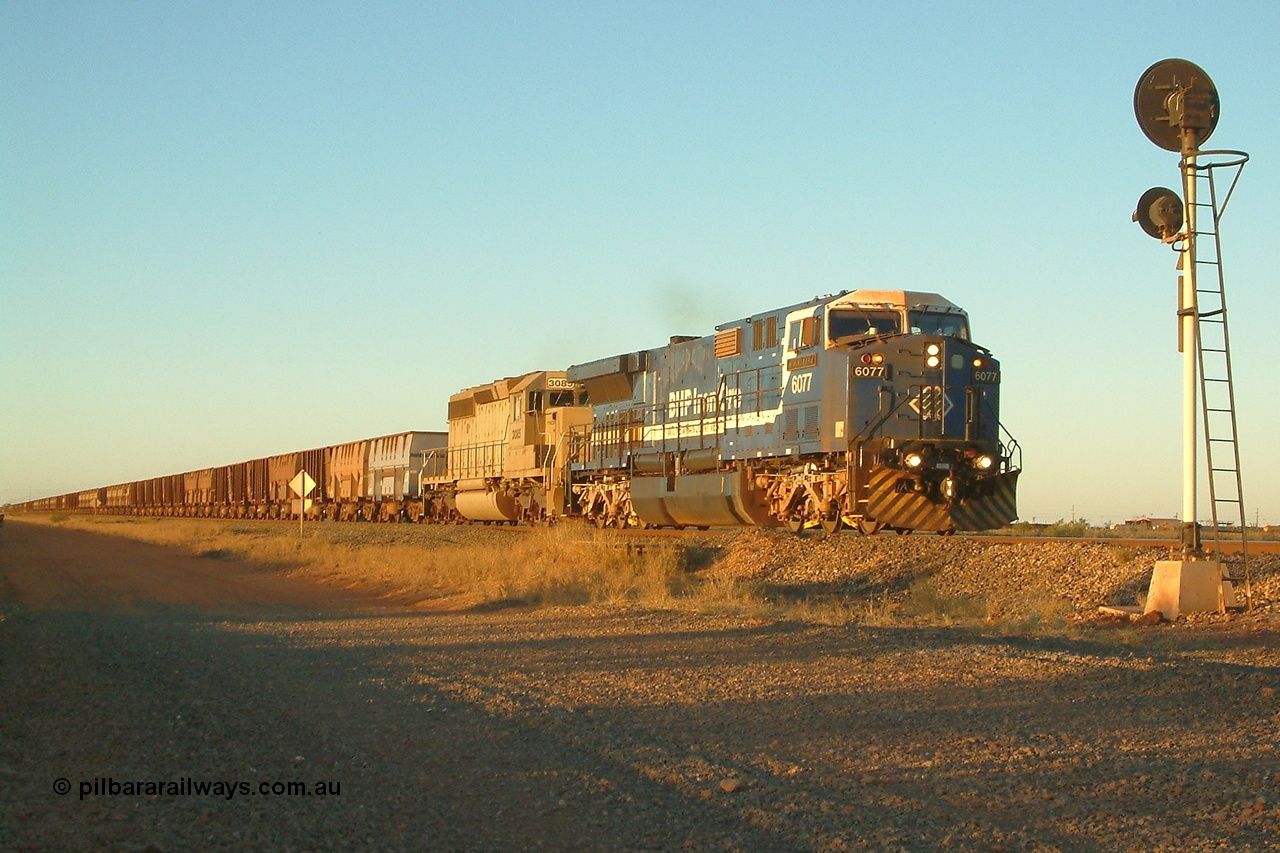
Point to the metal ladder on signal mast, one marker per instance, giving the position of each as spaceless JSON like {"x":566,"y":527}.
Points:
{"x":1213,"y":350}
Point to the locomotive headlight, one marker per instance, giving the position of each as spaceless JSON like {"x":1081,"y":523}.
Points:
{"x":932,"y":361}
{"x":913,"y":460}
{"x":933,"y":355}
{"x":984,"y":463}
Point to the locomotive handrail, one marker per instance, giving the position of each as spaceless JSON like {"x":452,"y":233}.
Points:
{"x":1011,"y":449}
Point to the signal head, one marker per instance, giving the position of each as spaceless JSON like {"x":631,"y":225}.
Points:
{"x":1159,"y":213}
{"x":1176,"y":105}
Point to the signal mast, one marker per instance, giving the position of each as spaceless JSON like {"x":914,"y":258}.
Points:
{"x":1177,"y":107}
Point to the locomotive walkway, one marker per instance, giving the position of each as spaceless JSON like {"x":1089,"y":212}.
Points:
{"x":131,"y":669}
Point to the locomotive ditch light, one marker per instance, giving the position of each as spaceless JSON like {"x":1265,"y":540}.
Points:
{"x":913,"y":460}
{"x":984,"y":463}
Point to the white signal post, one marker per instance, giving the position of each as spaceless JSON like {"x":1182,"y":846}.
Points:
{"x":1188,"y":310}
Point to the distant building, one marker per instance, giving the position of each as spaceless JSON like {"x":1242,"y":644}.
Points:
{"x":1151,"y":523}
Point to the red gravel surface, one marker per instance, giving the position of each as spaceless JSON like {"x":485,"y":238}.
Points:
{"x":592,"y":728}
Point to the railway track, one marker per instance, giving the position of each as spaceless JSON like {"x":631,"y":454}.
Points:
{"x":1260,"y":546}
{"x":1228,"y":546}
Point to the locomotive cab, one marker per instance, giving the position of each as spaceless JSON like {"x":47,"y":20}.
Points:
{"x":854,"y":322}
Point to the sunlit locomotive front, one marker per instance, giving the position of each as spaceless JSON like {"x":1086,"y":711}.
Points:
{"x":870,"y":408}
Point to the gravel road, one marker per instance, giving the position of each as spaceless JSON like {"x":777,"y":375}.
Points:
{"x":598,"y":728}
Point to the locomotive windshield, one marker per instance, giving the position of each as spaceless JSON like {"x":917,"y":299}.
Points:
{"x":934,"y":323}
{"x":561,"y":398}
{"x":853,"y":323}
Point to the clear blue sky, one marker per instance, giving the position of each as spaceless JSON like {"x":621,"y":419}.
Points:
{"x":234,"y":229}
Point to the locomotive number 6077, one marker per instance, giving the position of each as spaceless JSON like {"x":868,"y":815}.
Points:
{"x":801,"y":383}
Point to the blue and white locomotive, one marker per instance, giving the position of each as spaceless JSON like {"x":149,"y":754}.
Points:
{"x":869,"y":408}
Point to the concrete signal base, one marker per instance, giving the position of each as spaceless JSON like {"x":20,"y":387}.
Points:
{"x":1189,"y":586}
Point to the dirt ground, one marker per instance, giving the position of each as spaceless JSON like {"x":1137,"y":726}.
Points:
{"x":152,"y":701}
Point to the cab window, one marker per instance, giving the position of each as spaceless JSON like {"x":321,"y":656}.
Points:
{"x":847,"y":323}
{"x":936,"y":323}
{"x":804,"y":334}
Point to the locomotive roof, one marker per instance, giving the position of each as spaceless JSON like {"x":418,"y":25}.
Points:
{"x":894,"y":299}
{"x":899,"y":299}
{"x":500,"y":388}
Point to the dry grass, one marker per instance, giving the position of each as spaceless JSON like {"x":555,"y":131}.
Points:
{"x":562,"y":566}
{"x":465,"y":567}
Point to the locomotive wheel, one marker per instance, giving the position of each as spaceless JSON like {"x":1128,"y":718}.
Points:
{"x":869,"y":526}
{"x":950,"y":531}
{"x":833,"y":525}
{"x":795,"y":523}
